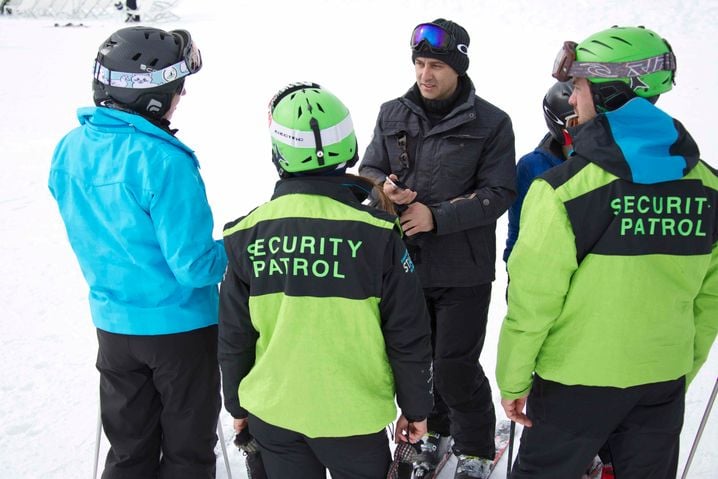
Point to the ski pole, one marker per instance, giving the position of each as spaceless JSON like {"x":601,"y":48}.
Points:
{"x":224,"y":448}
{"x":98,"y":436}
{"x":702,"y":426}
{"x":512,"y":431}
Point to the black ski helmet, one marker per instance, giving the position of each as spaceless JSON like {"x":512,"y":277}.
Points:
{"x":142,"y":68}
{"x":556,"y":109}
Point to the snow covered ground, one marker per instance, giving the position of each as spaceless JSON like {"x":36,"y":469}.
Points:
{"x":357,"y":49}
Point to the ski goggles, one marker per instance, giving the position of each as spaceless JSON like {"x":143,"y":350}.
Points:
{"x":432,"y":36}
{"x":566,"y":67}
{"x":189,"y":63}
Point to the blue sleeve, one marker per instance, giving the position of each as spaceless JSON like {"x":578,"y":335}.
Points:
{"x":527,"y":169}
{"x":183,"y":225}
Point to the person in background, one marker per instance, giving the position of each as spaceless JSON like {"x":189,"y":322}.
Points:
{"x":322,"y":318}
{"x":446,"y":157}
{"x":133,"y":13}
{"x":613,"y":299}
{"x":136,"y":214}
{"x":553,"y":149}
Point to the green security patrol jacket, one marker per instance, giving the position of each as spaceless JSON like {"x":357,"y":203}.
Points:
{"x":322,"y":318}
{"x":614,"y":278}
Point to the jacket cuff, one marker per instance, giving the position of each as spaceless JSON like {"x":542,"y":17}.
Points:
{"x":414,"y":418}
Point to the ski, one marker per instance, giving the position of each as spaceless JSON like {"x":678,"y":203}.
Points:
{"x":501,"y":441}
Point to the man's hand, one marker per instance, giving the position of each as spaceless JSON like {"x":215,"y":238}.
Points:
{"x":397,"y":195}
{"x":240,"y":424}
{"x":514,"y":410}
{"x":409,"y":431}
{"x":417,"y":218}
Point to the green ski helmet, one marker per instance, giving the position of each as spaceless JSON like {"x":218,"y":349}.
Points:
{"x":311,"y":130}
{"x":624,"y":62}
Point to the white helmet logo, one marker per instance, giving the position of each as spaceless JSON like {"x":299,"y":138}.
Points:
{"x":154,"y":106}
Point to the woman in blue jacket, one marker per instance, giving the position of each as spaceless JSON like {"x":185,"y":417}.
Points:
{"x":136,"y":213}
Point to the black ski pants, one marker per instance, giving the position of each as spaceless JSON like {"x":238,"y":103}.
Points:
{"x":288,"y":454}
{"x":463,"y":404}
{"x":159,"y":401}
{"x":640,"y":426}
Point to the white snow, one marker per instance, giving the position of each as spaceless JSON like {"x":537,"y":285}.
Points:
{"x":357,"y":49}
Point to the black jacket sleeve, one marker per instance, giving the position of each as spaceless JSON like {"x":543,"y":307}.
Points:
{"x":407,"y":332}
{"x":237,"y":338}
{"x":375,"y":162}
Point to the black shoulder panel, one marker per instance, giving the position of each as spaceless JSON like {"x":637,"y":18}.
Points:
{"x":624,"y":218}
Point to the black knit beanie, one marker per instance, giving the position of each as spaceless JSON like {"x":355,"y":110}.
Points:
{"x":457,"y":58}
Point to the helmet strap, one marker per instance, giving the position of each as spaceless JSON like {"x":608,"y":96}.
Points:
{"x":317,"y":140}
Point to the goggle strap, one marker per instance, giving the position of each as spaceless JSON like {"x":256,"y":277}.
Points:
{"x":665,"y":61}
{"x":141,"y":80}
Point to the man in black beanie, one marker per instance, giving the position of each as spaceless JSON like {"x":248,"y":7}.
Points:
{"x":446,"y":159}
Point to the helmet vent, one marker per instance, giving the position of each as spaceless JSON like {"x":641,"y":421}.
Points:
{"x":332,"y":153}
{"x":154,"y":62}
{"x":320,"y":107}
{"x":300,"y":112}
{"x":602,"y":44}
{"x":307,"y":159}
{"x":136,"y":56}
{"x":623,"y":40}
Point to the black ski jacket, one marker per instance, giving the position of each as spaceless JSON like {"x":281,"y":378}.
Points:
{"x":322,"y":319}
{"x":463,"y":168}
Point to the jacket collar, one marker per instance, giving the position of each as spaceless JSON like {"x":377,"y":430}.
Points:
{"x":462,"y":112}
{"x":345,"y":189}
{"x":114,"y":120}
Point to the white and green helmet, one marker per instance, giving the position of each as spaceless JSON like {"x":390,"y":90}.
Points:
{"x":311,"y":130}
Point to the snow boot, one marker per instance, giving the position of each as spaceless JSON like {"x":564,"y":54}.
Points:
{"x":429,"y":456}
{"x":473,"y":467}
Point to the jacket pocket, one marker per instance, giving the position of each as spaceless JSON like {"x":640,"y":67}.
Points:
{"x":460,"y":154}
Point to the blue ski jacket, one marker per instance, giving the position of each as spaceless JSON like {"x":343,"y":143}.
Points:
{"x":528,"y":168}
{"x":136,"y":214}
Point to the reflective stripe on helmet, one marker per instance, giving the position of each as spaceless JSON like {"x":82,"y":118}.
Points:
{"x":305,"y":139}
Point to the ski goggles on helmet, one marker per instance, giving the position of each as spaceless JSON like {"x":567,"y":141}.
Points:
{"x":432,"y":36}
{"x":191,"y":56}
{"x":566,"y":67}
{"x":190,"y":62}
